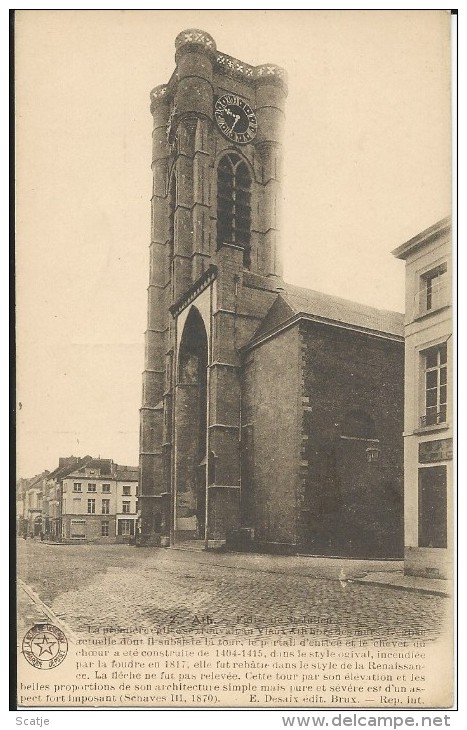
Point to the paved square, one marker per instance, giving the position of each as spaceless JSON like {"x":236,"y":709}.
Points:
{"x":95,"y":586}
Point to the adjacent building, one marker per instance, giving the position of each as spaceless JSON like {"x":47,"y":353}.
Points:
{"x":428,"y":428}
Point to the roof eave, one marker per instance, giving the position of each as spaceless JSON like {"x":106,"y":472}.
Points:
{"x":422,"y":239}
{"x":392,"y":336}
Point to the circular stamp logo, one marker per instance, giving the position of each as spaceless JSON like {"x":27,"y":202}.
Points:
{"x":45,"y":646}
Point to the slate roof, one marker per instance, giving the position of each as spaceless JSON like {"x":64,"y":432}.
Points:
{"x":63,"y":471}
{"x":127,"y":473}
{"x":105,"y":467}
{"x":25,"y":483}
{"x":294,"y":302}
{"x":327,"y":306}
{"x":36,"y":481}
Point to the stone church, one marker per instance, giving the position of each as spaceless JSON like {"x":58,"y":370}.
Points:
{"x":272,"y":415}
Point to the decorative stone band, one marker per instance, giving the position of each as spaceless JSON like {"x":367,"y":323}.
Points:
{"x":231,"y":65}
{"x":199,"y":286}
{"x":266,"y":72}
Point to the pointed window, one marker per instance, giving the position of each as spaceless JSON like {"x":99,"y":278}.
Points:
{"x":234,"y":204}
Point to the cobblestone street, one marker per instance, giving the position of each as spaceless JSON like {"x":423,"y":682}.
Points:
{"x":96,"y":586}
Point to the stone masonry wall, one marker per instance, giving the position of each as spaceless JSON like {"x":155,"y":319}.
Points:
{"x":271,"y":438}
{"x":351,"y":488}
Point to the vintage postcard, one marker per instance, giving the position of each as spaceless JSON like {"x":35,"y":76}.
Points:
{"x":234,"y":329}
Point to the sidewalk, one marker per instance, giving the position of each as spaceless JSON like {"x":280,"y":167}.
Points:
{"x":397,"y":579}
{"x":29,"y":612}
{"x":387,"y":573}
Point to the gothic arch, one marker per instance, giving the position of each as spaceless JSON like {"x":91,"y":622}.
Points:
{"x":234,"y":188}
{"x":193,"y":349}
{"x":191,"y":427}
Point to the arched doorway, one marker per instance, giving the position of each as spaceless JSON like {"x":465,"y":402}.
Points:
{"x":37,"y":526}
{"x":190,"y":430}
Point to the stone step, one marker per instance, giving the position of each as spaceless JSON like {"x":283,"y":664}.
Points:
{"x":193,"y":545}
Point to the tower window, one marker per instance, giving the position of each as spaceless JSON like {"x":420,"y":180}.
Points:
{"x":234,"y":205}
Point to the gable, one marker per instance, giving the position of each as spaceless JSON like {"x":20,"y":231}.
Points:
{"x":279,"y":313}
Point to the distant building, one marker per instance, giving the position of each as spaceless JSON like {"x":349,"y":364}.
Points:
{"x":126,"y":501}
{"x":20,"y":521}
{"x":428,"y":403}
{"x":82,"y":500}
{"x":26,"y":505}
{"x":32,"y":524}
{"x":99,"y":502}
{"x":52,"y":494}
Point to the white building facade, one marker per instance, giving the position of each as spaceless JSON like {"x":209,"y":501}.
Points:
{"x":99,"y":503}
{"x":428,"y":421}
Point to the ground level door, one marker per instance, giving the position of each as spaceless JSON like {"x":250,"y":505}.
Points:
{"x":432,"y":507}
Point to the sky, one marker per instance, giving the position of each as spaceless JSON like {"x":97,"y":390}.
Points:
{"x":366,"y":167}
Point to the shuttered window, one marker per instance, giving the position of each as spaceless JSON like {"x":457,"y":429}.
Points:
{"x":234,"y":205}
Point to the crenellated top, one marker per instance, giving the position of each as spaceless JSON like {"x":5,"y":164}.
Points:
{"x":269,"y":71}
{"x":225,"y":64}
{"x":266,"y":72}
{"x":194,"y":35}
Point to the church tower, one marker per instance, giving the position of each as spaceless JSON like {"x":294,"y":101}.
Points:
{"x":214,"y":273}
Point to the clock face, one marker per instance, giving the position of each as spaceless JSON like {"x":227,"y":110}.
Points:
{"x":235,"y":118}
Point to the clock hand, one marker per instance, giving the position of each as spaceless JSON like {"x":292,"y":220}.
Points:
{"x":237,"y":117}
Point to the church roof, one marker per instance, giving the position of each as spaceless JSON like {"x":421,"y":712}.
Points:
{"x":295,"y":302}
{"x":307,"y":301}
